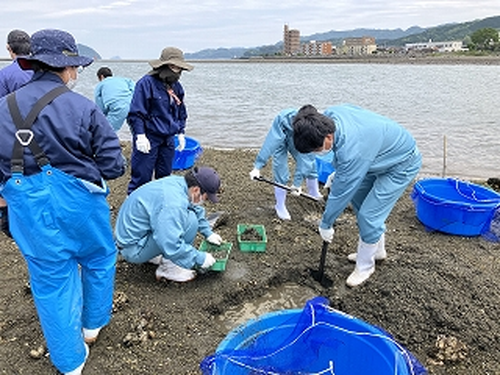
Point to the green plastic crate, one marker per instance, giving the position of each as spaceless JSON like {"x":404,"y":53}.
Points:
{"x":220,"y":253}
{"x":255,"y":246}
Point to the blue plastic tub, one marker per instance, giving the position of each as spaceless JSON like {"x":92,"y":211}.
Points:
{"x":454,"y":206}
{"x":359,"y":348}
{"x":324,"y":167}
{"x":186,"y":158}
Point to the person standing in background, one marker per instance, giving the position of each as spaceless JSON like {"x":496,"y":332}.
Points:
{"x":113,"y":96}
{"x":52,"y":175}
{"x":11,"y":78}
{"x":157,"y":114}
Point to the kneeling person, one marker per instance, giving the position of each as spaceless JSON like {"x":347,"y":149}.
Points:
{"x":158,"y":222}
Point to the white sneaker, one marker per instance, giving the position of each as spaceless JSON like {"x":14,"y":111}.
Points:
{"x":359,"y":277}
{"x":90,"y":335}
{"x":79,"y":369}
{"x":168,"y":270}
{"x":156,"y":260}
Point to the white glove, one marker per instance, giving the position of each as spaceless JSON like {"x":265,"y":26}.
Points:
{"x":296,"y":191}
{"x":255,"y":173}
{"x":142,"y":143}
{"x":182,"y":142}
{"x":329,"y":180}
{"x":209,"y":261}
{"x":215,"y":239}
{"x":326,"y":234}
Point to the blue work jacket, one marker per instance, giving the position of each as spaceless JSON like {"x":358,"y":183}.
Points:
{"x":72,"y":131}
{"x":154,"y":111}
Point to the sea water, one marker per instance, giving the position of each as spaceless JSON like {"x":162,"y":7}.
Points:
{"x":453,"y":111}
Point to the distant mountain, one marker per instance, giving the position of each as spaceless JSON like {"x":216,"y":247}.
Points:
{"x":454,"y":31}
{"x":357,"y":33}
{"x":219,"y":53}
{"x":392,"y":37}
{"x":87,"y":51}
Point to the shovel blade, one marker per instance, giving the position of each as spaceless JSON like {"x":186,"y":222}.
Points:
{"x":321,"y":278}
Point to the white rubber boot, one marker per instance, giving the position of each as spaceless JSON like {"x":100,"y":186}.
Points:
{"x":313,"y":188}
{"x":381,"y":254}
{"x":365,"y":264}
{"x":280,"y":195}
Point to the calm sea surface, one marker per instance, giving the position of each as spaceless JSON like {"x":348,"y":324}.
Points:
{"x":451,"y":110}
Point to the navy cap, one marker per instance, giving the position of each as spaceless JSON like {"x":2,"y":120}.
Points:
{"x":56,"y":48}
{"x":209,"y":182}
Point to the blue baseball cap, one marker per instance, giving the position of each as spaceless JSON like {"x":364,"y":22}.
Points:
{"x":56,"y":48}
{"x":209,"y":182}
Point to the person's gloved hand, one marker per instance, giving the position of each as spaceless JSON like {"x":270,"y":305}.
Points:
{"x":142,"y":143}
{"x":329,"y":180}
{"x":326,"y":234}
{"x":182,"y":142}
{"x":215,"y":239}
{"x":255,"y":173}
{"x":208,"y":262}
{"x":296,"y":191}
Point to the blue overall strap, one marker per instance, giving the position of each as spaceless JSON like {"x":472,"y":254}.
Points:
{"x":24,"y":134}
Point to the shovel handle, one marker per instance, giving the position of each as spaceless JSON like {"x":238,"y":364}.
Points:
{"x":285,"y":187}
{"x":321,"y":270}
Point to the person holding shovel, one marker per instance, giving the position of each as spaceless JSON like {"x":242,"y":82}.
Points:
{"x":278,"y":144}
{"x":375,"y":159}
{"x":159,"y":221}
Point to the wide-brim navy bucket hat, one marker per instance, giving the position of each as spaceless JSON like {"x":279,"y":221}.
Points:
{"x":55,"y":48}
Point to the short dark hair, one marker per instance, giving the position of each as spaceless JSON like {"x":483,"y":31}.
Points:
{"x":190,"y":179}
{"x":38,"y":66}
{"x":105,"y":72}
{"x":310,"y":129}
{"x":19,"y":42}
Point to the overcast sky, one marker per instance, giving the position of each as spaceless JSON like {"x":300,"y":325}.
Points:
{"x":140,"y":29}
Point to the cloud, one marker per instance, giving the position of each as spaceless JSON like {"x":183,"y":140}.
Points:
{"x":141,"y":28}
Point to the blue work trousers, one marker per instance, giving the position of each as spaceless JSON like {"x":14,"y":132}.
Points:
{"x":62,"y":227}
{"x":377,"y":195}
{"x":147,"y":248}
{"x":159,"y":161}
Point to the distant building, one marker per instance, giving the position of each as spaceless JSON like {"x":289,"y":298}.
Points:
{"x":291,"y":41}
{"x":451,"y":46}
{"x":359,"y":46}
{"x":315,"y":48}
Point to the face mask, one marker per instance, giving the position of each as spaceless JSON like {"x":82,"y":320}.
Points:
{"x":71,"y":84}
{"x":168,"y":76}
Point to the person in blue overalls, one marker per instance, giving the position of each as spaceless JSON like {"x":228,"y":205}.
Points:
{"x":375,"y":160}
{"x":157,"y":114}
{"x":278,"y":144}
{"x":54,"y":185}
